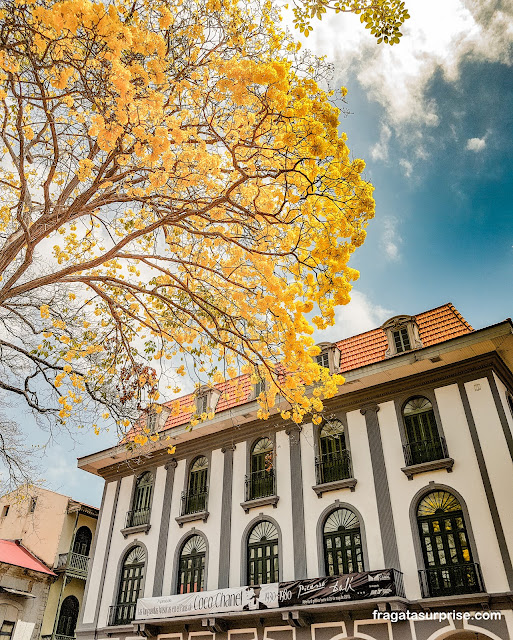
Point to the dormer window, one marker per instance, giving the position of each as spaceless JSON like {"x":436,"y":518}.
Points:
{"x":202,"y":404}
{"x":259,"y":387}
{"x":402,"y":335}
{"x":323,"y":360}
{"x":152,"y":421}
{"x":329,"y":357}
{"x":401,"y":340}
{"x":206,"y":399}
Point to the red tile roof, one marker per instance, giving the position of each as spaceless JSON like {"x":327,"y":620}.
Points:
{"x":435,"y":326}
{"x":13,"y":552}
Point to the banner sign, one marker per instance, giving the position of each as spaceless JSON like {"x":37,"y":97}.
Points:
{"x":353,"y":586}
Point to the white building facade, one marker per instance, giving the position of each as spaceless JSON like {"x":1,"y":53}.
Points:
{"x":398,"y":505}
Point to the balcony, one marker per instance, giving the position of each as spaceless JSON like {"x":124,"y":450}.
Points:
{"x":426,"y":455}
{"x":194,"y":506}
{"x":73,"y":564}
{"x":334,"y":471}
{"x":193,"y":502}
{"x":137,"y":521}
{"x":137,"y":518}
{"x":451,"y":580}
{"x":121,"y":614}
{"x":260,"y":489}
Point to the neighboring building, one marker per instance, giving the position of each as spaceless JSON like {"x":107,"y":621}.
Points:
{"x":24,"y":585}
{"x":59,"y":531}
{"x":405,"y":489}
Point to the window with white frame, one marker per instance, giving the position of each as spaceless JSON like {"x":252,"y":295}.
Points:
{"x":402,"y":333}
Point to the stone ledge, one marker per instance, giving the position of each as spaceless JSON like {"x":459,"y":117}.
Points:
{"x":139,"y":528}
{"x":347,"y":483}
{"x":433,"y":465}
{"x":259,"y":502}
{"x":190,"y":517}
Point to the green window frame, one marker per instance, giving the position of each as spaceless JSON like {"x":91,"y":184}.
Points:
{"x":342,"y":540}
{"x":130,"y":585}
{"x":191,"y":569}
{"x":261,"y":480}
{"x":263,"y":554}
{"x":82,"y":542}
{"x":197,"y":486}
{"x":422,"y":436}
{"x":445,"y":544}
{"x":141,"y":502}
{"x":68,"y":617}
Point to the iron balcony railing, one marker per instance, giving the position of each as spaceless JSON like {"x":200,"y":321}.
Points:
{"x":425,"y":451}
{"x":260,"y":484}
{"x":194,"y":502}
{"x":330,"y":467}
{"x":454,"y":579}
{"x":59,"y":636}
{"x":137,"y":517}
{"x":74,"y":563}
{"x":121,"y":614}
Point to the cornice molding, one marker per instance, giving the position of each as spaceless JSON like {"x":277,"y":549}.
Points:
{"x":362,"y":400}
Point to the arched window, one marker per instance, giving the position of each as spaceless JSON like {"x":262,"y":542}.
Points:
{"x":334,"y":462}
{"x":260,"y":482}
{"x":423,"y":441}
{"x":191,"y":571}
{"x":68,"y":617}
{"x":130,"y":584}
{"x":140,"y":513}
{"x":342,"y":543}
{"x":263,"y":559}
{"x":194,"y":499}
{"x":449,"y":568}
{"x":82,"y":542}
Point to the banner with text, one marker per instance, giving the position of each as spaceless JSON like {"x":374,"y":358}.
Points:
{"x":353,"y":586}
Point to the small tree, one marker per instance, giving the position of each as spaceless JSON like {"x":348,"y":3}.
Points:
{"x":173,"y":183}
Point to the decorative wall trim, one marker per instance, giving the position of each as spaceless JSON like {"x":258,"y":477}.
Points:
{"x":384,"y":503}
{"x":494,"y":512}
{"x":297,"y":499}
{"x":226,"y":519}
{"x":440,"y":376}
{"x":158,"y":582}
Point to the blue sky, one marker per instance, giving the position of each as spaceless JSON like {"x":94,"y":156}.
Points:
{"x":433,"y":119}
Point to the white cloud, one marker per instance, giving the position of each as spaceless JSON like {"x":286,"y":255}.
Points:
{"x":380,"y":150}
{"x":390,"y":239}
{"x":407,"y":167}
{"x":439,"y":36}
{"x":360,"y":315}
{"x":476,"y":144}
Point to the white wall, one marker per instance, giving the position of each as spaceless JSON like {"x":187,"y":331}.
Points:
{"x":96,"y":563}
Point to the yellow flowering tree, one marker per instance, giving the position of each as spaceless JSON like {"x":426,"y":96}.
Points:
{"x":175,"y":189}
{"x":384,"y":18}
